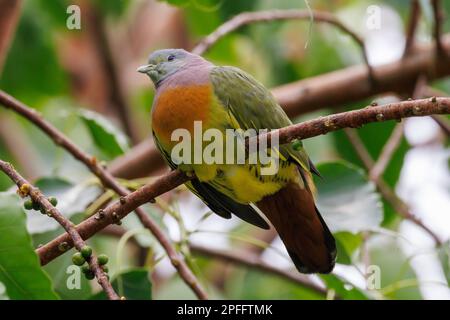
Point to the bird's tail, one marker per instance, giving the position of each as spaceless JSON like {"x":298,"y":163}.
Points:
{"x":307,"y":238}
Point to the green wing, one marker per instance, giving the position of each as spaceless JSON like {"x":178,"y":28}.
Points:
{"x":216,"y":201}
{"x":253,"y":107}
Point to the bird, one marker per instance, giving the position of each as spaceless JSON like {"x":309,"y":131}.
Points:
{"x":190,"y":89}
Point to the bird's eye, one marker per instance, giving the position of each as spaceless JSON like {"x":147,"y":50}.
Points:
{"x":171,"y":57}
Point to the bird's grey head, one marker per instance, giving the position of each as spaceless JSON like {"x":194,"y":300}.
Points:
{"x":164,"y":63}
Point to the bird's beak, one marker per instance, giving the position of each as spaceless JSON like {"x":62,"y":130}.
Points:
{"x":146,"y":68}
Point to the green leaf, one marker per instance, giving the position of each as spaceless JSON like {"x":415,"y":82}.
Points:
{"x":347,"y":243}
{"x":20,"y":271}
{"x":133,"y":284}
{"x":342,"y":289}
{"x":398,"y":279}
{"x":72,"y":199}
{"x":346,"y":199}
{"x":108,"y":139}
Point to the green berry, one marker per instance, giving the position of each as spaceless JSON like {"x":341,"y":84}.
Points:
{"x":102,"y":259}
{"x":36,"y":206}
{"x":297,"y":145}
{"x":85,"y":269}
{"x":28,"y":204}
{"x":53,"y":201}
{"x":86,"y":252}
{"x":89,"y":275}
{"x":43,"y":211}
{"x":105,"y":269}
{"x":78,"y":259}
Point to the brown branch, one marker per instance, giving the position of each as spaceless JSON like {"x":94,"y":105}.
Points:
{"x":26,"y":189}
{"x":349,"y":85}
{"x":116,"y":211}
{"x":437,"y":30}
{"x":246,"y":18}
{"x":387,"y":193}
{"x":254,"y":262}
{"x":360,"y":117}
{"x":303,"y":130}
{"x":108,"y":181}
{"x":142,"y":160}
{"x":412,"y":27}
{"x":442,"y":121}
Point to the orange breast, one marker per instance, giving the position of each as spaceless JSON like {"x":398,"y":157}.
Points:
{"x":179,"y":107}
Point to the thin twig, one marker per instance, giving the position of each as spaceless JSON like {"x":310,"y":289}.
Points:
{"x":443,"y":123}
{"x":26,"y":189}
{"x":246,"y":18}
{"x":108,"y":181}
{"x":437,"y":30}
{"x":304,"y":130}
{"x":412,"y":27}
{"x":387,"y":152}
{"x":388,"y":194}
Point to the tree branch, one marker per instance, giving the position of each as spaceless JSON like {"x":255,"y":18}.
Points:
{"x":387,"y":152}
{"x":308,"y":129}
{"x":246,"y":18}
{"x":360,"y":117}
{"x":26,"y":189}
{"x":412,"y":27}
{"x":109,"y":182}
{"x":437,"y":30}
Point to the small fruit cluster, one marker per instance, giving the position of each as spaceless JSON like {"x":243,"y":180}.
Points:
{"x":79,"y":259}
{"x":29,"y":204}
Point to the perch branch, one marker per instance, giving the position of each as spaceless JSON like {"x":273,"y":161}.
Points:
{"x":304,"y":130}
{"x":246,"y":18}
{"x":26,"y":189}
{"x":108,"y":181}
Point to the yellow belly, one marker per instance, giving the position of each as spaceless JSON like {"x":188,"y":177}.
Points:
{"x":179,"y":108}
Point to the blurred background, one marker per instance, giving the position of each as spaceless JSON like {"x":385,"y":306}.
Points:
{"x":84,"y":81}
